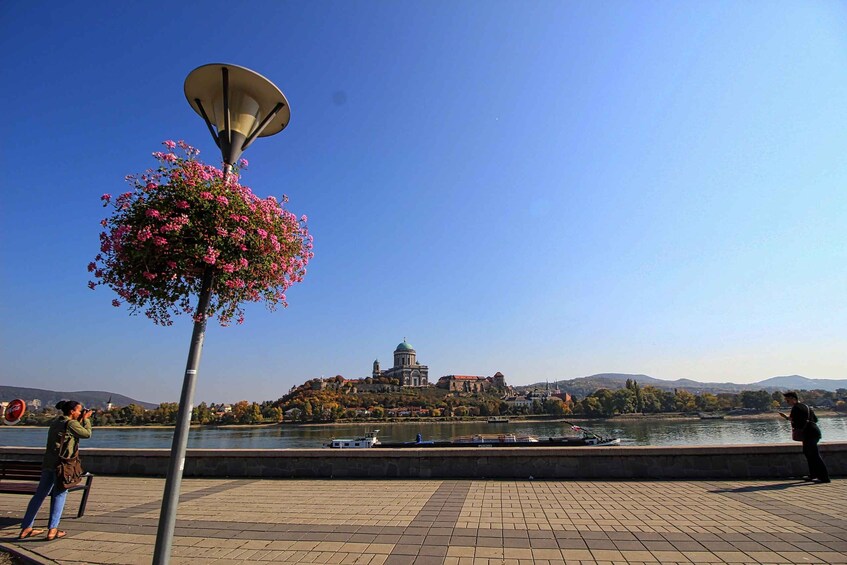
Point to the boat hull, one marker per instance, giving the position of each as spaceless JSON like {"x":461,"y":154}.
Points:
{"x":550,"y":442}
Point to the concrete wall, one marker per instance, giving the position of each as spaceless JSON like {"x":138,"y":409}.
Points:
{"x":719,"y":462}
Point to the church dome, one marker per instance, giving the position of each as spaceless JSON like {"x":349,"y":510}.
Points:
{"x":404,"y":347}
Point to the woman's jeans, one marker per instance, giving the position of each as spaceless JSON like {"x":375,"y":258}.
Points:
{"x":46,"y":486}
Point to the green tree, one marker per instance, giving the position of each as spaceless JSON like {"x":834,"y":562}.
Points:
{"x":253,"y":415}
{"x":133,"y":415}
{"x":202,"y":414}
{"x":624,"y":401}
{"x":537,"y":407}
{"x":651,"y":400}
{"x":607,"y":400}
{"x":272,"y":413}
{"x":707,"y":402}
{"x":684,"y":401}
{"x":591,"y":406}
{"x":165,"y":413}
{"x":757,"y":400}
{"x":554,"y":406}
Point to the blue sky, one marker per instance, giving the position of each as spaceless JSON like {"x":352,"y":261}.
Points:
{"x":546,"y":189}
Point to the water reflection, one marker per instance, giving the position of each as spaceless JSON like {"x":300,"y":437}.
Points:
{"x":631,"y":432}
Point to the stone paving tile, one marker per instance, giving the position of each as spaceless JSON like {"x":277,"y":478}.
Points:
{"x":456,"y":522}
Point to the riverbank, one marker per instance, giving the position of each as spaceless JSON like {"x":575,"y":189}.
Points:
{"x":581,"y":419}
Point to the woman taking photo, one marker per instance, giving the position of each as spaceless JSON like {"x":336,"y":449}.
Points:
{"x":64,"y":435}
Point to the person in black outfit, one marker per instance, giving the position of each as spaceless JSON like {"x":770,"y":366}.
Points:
{"x":803,"y":418}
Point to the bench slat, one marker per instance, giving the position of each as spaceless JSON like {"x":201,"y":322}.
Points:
{"x":15,"y":488}
{"x":12,"y":472}
{"x":20,"y":471}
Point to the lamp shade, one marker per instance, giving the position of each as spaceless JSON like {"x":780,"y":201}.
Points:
{"x":238,"y":105}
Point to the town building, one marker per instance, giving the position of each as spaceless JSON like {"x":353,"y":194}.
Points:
{"x":470,"y":383}
{"x":406,"y":369}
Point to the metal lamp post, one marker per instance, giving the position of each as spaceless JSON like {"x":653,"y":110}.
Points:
{"x":238,"y":105}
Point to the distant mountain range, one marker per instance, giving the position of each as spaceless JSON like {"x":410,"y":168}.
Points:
{"x":89,"y":398}
{"x":583,"y":386}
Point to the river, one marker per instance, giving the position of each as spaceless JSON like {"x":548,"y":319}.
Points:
{"x":632,"y":432}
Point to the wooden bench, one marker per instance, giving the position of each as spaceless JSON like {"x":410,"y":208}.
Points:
{"x":22,"y":477}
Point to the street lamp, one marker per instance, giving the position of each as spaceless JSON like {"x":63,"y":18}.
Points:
{"x":238,"y":105}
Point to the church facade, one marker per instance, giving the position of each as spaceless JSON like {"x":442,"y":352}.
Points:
{"x":406,"y":369}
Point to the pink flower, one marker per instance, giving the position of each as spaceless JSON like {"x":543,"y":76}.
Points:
{"x":116,"y":303}
{"x":155,"y":235}
{"x":303,"y":218}
{"x":243,"y":163}
{"x":211,"y":256}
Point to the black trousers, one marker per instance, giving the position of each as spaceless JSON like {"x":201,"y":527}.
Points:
{"x":817,"y":468}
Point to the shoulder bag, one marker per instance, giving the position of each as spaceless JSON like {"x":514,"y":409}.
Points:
{"x":69,"y":469}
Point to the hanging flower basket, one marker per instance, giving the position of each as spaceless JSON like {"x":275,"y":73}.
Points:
{"x":184,"y":218}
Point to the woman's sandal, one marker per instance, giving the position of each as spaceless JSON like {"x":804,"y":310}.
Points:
{"x":30,"y":533}
{"x":56,"y":534}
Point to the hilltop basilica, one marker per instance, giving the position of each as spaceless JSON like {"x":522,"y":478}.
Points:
{"x":406,"y":369}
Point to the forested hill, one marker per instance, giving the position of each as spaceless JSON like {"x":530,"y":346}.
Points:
{"x":89,"y":398}
{"x":584,"y":386}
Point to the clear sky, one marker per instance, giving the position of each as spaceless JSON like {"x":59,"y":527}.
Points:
{"x":546,"y":189}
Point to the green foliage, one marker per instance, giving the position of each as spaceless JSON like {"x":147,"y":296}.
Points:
{"x":758,"y":400}
{"x":336,"y":398}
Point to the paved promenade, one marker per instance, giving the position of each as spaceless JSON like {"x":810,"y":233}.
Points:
{"x":434,"y":522}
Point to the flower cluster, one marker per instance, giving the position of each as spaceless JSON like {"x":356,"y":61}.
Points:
{"x":184,"y":219}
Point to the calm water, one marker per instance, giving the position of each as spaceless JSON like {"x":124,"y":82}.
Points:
{"x":655,"y":432}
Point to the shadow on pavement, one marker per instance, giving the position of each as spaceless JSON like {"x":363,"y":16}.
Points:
{"x":779,"y":486}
